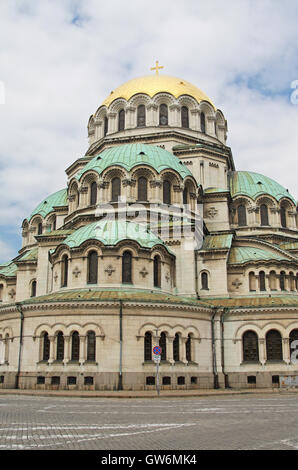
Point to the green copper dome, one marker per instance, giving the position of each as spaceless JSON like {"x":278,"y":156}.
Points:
{"x":253,"y":185}
{"x":130,"y":155}
{"x":111,"y":232}
{"x":47,"y":205}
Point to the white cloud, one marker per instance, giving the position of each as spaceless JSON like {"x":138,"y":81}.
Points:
{"x":59,"y":59}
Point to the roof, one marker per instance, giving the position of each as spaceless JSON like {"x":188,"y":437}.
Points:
{"x":8,"y":269}
{"x":153,"y":84}
{"x":289,"y":246}
{"x":217,"y":242}
{"x":47,"y":205}
{"x":255,"y":301}
{"x":131,"y":155}
{"x":245,"y":254}
{"x":111,"y":232}
{"x":30,"y":255}
{"x":254,"y":185}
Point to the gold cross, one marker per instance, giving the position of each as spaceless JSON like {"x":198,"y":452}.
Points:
{"x":156,"y":68}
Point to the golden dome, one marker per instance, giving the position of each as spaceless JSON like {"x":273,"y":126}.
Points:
{"x":153,"y":84}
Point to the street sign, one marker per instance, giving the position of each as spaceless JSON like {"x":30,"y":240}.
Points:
{"x":156,"y":358}
{"x":157,"y":350}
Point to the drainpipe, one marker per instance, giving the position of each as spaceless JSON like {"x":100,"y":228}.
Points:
{"x":216,"y":384}
{"x":120,"y":384}
{"x":19,"y":308}
{"x":222,"y":319}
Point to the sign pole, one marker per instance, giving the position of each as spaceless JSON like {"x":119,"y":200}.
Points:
{"x":157,"y":357}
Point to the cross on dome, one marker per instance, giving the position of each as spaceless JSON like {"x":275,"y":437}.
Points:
{"x":156,"y":68}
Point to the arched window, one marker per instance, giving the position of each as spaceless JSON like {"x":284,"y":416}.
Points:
{"x":148,"y":346}
{"x":204,"y":281}
{"x":241,"y":211}
{"x":127,"y":267}
{"x":157,"y":271}
{"x":203,"y":123}
{"x":293,"y":339}
{"x":39,"y":228}
{"x":121,"y":120}
{"x":92,"y":267}
{"x":75,"y":346}
{"x":91,"y":346}
{"x":188,"y":348}
{"x":166,"y":192}
{"x":184,"y":117}
{"x":262,"y":281}
{"x":64,"y":271}
{"x":93,"y":193}
{"x":60,"y":346}
{"x":185,"y":196}
{"x":33,"y":289}
{"x":141,"y":116}
{"x":176,"y":352}
{"x":252,"y":281}
{"x":283,"y":216}
{"x":264,"y":215}
{"x":273,"y":346}
{"x":163,"y":345}
{"x":46,"y":347}
{"x":54,"y":223}
{"x":163,"y":115}
{"x":250,"y":346}
{"x":116,"y":189}
{"x":142,"y":189}
{"x":282,"y":280}
{"x":105,"y":126}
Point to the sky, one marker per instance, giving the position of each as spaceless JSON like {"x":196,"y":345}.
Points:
{"x":59,"y":60}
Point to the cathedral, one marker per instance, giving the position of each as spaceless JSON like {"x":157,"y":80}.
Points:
{"x":156,"y":240}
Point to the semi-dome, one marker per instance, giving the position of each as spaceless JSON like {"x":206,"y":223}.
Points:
{"x":130,"y":155}
{"x":253,"y":185}
{"x":57,"y":199}
{"x":153,"y":84}
{"x":111,"y":232}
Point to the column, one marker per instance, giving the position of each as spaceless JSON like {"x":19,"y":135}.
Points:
{"x":66,"y":349}
{"x":52,"y":349}
{"x":286,"y":352}
{"x":170,"y":340}
{"x":83,"y":352}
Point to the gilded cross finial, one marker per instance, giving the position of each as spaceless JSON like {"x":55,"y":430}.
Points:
{"x":156,"y":68}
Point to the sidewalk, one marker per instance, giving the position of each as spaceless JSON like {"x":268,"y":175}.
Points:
{"x":145,"y":393}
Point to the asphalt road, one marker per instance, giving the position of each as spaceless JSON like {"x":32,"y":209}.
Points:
{"x":236,"y":422}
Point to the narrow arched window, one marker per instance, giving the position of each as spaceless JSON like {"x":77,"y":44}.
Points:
{"x":163,"y":115}
{"x":274,"y":346}
{"x":176,"y":352}
{"x":91,"y":346}
{"x":54,"y":223}
{"x":184,"y":117}
{"x":33,"y":289}
{"x":142,"y":189}
{"x":283,"y":216}
{"x":157,"y":271}
{"x":64,"y":271}
{"x":93,"y":193}
{"x":282,"y":280}
{"x":250,"y":345}
{"x":127,"y":267}
{"x":241,"y":210}
{"x":121,"y":120}
{"x":60,"y":346}
{"x":92,"y":267}
{"x":148,"y":346}
{"x":188,"y":348}
{"x":185,"y":196}
{"x":203,"y":123}
{"x":75,"y":346}
{"x":264,"y":215}
{"x":163,"y":345}
{"x":141,"y":116}
{"x":262,"y":281}
{"x":116,"y":189}
{"x":204,"y":281}
{"x":105,"y":126}
{"x":46,"y":347}
{"x":39,"y":229}
{"x":166,"y":192}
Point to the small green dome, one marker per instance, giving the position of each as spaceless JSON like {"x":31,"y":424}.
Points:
{"x":111,"y":232}
{"x":47,"y":205}
{"x":130,"y":155}
{"x":253,"y":185}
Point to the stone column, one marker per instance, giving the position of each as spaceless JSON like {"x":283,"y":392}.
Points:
{"x":151,"y":116}
{"x":175,"y":115}
{"x":52,"y":349}
{"x":83,"y":352}
{"x":66,"y":349}
{"x":182,"y":347}
{"x":112,"y":120}
{"x":195,"y":120}
{"x":286,"y":352}
{"x":262,"y":350}
{"x":130,"y":121}
{"x":170,"y":357}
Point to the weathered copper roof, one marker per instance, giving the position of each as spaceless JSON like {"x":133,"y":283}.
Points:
{"x":217,"y":242}
{"x":245,"y":254}
{"x":47,"y":205}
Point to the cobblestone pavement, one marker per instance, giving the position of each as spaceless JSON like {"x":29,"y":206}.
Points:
{"x":236,"y":422}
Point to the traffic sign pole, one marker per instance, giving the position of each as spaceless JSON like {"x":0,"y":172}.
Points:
{"x":157,"y":357}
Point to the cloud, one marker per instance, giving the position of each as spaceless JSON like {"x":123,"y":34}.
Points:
{"x":61,"y":58}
